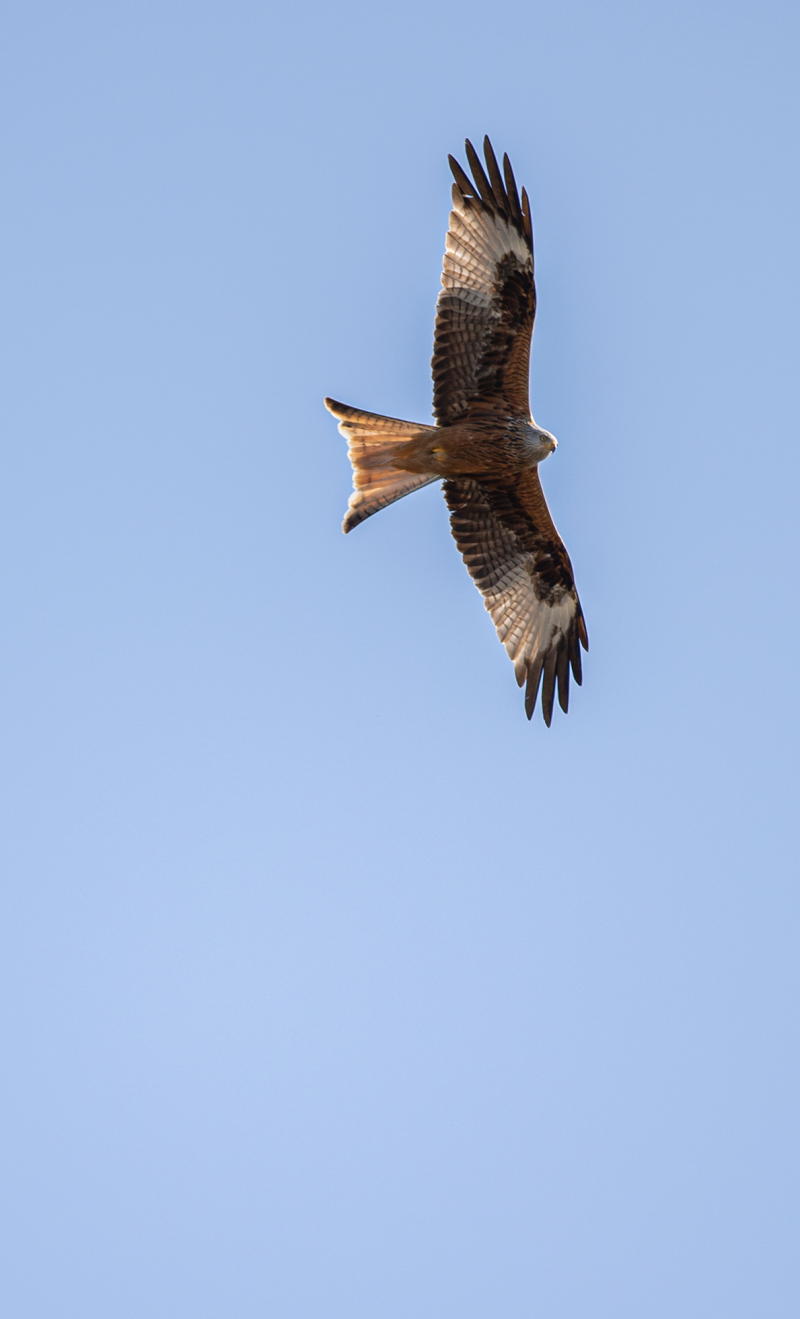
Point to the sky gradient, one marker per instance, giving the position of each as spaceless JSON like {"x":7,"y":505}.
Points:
{"x":331,"y":986}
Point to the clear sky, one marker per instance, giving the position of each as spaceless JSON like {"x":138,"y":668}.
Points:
{"x":332,"y":988}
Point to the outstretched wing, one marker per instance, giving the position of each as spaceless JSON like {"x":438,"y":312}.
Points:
{"x":519,"y":564}
{"x":485,"y":312}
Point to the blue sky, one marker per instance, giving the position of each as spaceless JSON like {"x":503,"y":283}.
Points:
{"x":331,"y":986}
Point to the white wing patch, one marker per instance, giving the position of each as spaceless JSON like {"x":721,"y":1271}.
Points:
{"x":476,"y":242}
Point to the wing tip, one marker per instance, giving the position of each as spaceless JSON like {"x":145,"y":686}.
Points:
{"x":552,"y":670}
{"x":497,"y":192}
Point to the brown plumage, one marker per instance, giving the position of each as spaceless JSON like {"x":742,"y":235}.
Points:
{"x":485,"y":444}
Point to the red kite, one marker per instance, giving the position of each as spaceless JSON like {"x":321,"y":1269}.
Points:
{"x":485,"y":444}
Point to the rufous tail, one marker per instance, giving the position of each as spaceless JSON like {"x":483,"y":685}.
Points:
{"x":372,"y":445}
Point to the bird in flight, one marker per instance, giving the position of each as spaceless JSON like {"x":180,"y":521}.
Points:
{"x":485,"y":444}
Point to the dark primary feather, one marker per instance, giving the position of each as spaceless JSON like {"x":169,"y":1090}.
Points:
{"x":526,"y":217}
{"x":484,"y":186}
{"x":462,"y":181}
{"x":498,"y":191}
{"x":548,"y":685}
{"x":511,"y":191}
{"x":532,"y":686}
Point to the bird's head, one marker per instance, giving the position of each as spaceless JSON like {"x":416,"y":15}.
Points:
{"x":542,"y":443}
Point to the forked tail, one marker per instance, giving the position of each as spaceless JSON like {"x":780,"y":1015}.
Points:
{"x":372,"y":446}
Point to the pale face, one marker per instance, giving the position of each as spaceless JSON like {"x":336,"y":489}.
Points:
{"x":542,"y":443}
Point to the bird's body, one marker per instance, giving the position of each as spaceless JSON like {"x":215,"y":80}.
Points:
{"x":500,"y":447}
{"x":485,"y":445}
